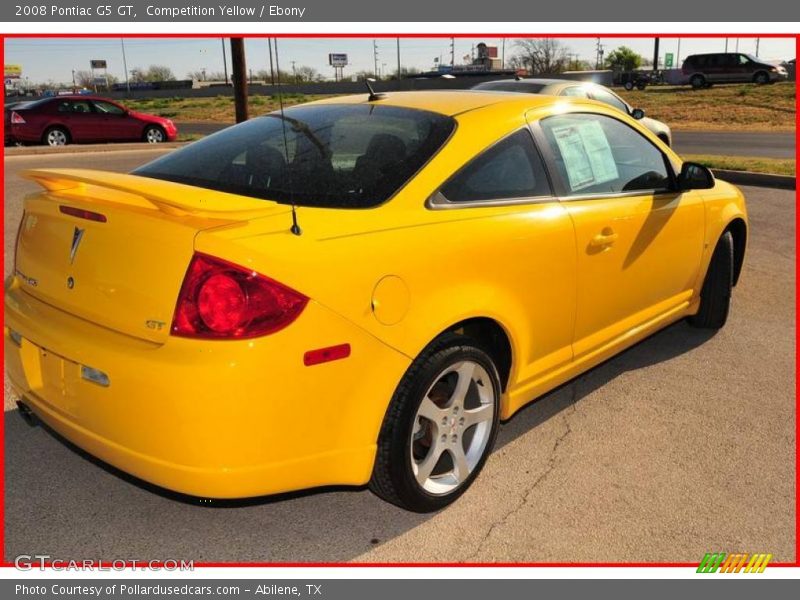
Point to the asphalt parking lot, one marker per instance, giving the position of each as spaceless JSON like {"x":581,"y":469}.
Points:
{"x":682,"y":445}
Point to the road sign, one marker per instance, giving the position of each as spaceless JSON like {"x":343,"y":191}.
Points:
{"x":98,"y":64}
{"x":12,"y":71}
{"x":668,"y":60}
{"x":337,"y":60}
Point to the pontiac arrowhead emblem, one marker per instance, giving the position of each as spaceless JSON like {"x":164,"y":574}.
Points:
{"x":77,"y":236}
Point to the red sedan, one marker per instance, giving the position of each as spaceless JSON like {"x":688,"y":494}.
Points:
{"x":80,"y":119}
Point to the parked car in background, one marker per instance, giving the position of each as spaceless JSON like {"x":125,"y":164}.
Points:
{"x":76,"y":119}
{"x":580,"y":89}
{"x":703,"y":70}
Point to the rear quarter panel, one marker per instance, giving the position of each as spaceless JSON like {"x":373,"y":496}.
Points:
{"x":514,"y":264}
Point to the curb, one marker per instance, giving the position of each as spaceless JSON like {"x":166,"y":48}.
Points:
{"x":85,"y":148}
{"x":784,"y":182}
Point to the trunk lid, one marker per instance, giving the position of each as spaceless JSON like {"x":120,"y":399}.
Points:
{"x":113,"y":249}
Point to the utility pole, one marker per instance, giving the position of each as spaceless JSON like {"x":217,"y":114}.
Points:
{"x":599,"y":55}
{"x":73,"y":80}
{"x":294,"y":72}
{"x":225,"y":60}
{"x":399,"y":71}
{"x":124,"y":64}
{"x":239,"y":78}
{"x":737,"y":44}
{"x":375,"y":58}
{"x":678,"y":54}
{"x":271,"y":69}
{"x":655,"y":55}
{"x":452,"y":52}
{"x":726,"y":45}
{"x":503,"y":55}
{"x":758,"y":42}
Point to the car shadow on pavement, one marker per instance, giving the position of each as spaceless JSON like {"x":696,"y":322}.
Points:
{"x":668,"y":343}
{"x":61,"y":501}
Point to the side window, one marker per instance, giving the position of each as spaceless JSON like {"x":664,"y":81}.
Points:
{"x":512,"y":168}
{"x":575,"y":91}
{"x":64,"y":106}
{"x":80,"y":107}
{"x":605,"y":97}
{"x":107,"y":108}
{"x":596,"y":154}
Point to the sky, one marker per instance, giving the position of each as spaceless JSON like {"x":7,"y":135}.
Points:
{"x":55,"y":58}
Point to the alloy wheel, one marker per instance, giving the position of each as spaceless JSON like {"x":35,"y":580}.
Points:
{"x":56,"y":137}
{"x":452,"y":427}
{"x":154,"y":136}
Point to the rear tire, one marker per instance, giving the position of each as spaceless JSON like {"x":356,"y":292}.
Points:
{"x":715,"y":296}
{"x":56,"y":136}
{"x":697,"y":81}
{"x":629,"y":85}
{"x":440,"y":426}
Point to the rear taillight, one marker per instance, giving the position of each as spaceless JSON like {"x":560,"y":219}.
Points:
{"x":16,"y":118}
{"x":221,"y":300}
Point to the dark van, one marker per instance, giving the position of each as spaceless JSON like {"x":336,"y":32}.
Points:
{"x":729,"y":67}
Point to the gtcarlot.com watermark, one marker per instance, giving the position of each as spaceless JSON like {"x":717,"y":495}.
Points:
{"x":31,"y":562}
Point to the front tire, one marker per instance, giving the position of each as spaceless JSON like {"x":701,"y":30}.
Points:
{"x":715,"y":296}
{"x":440,"y":426}
{"x":761,"y":78}
{"x":153,"y":134}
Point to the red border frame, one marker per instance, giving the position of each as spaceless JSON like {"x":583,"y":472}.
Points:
{"x":98,"y":564}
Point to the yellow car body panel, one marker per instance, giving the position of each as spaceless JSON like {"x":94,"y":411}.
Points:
{"x":247,"y":417}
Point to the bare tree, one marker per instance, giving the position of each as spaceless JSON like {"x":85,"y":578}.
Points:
{"x":308,"y":74}
{"x":540,"y":56}
{"x":84,"y":79}
{"x":159,"y":73}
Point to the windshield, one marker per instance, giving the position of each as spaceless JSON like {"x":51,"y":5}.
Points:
{"x":332,"y":156}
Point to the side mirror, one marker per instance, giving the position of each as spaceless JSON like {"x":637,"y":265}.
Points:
{"x":637,"y":113}
{"x":695,"y":177}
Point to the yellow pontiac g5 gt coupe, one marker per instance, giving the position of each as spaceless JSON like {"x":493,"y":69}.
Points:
{"x":357,"y":290}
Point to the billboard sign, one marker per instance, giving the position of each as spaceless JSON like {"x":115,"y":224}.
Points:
{"x":337,"y":60}
{"x":12,"y":71}
{"x":668,"y":60}
{"x":98,"y":64}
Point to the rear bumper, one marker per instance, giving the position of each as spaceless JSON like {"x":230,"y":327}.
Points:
{"x":211,"y":419}
{"x":22,"y":133}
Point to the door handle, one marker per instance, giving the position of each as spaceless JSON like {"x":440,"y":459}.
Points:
{"x":604,"y":238}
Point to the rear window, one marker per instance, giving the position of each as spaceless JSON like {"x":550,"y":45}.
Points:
{"x":511,"y":86}
{"x":331,"y":156}
{"x":27,"y":104}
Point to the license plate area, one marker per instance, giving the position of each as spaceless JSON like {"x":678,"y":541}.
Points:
{"x":51,"y":377}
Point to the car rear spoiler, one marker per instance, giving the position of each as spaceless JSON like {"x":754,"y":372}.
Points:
{"x":171,"y":198}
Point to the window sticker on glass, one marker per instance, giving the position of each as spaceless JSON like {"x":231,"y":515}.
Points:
{"x":586,"y":153}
